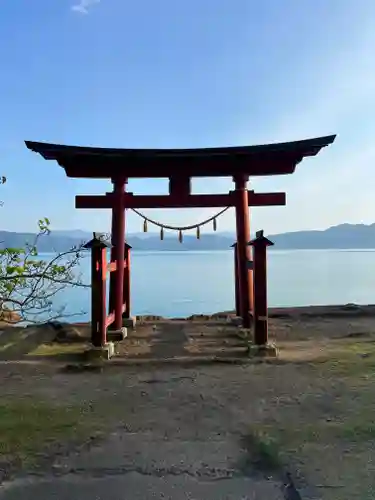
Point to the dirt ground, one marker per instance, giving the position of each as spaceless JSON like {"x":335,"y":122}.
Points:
{"x":308,"y":413}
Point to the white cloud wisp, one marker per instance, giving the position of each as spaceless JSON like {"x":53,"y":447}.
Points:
{"x":84,"y":5}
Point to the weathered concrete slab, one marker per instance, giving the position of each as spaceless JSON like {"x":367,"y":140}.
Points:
{"x":161,"y":463}
{"x":213,"y":457}
{"x":139,"y":486}
{"x":178,"y":434}
{"x":168,"y":340}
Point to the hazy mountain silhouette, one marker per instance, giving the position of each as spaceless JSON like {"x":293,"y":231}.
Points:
{"x":344,"y":236}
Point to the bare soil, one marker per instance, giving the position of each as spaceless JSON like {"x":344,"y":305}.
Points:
{"x":308,"y":413}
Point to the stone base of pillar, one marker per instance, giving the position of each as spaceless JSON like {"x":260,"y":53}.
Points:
{"x":117,"y":335}
{"x":130,"y":322}
{"x":263,"y":351}
{"x":235,"y":320}
{"x":104,"y":352}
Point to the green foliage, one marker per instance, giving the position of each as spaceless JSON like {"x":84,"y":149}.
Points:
{"x":28,"y":284}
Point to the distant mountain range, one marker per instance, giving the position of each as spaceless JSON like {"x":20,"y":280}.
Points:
{"x":344,"y":236}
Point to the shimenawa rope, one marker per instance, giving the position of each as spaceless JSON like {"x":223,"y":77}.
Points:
{"x":196,"y":226}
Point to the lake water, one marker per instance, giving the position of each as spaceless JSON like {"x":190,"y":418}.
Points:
{"x":184,"y":283}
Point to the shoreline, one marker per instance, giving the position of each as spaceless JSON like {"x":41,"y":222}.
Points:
{"x":340,"y":310}
{"x":214,"y":250}
{"x":298,"y":312}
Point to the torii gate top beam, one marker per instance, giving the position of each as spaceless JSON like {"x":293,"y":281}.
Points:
{"x":268,"y":159}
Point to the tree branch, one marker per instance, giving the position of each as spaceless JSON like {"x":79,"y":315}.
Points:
{"x":28,"y":286}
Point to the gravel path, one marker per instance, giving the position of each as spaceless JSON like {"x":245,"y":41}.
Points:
{"x":179,"y":436}
{"x":178,"y":431}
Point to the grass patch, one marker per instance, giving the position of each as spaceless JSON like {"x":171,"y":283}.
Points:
{"x":350,"y":430}
{"x":7,"y":346}
{"x":55,"y":349}
{"x":353,"y":360}
{"x":29,"y":426}
{"x":325,"y":430}
{"x":358,"y":431}
{"x":16,"y":342}
{"x":263,"y":451}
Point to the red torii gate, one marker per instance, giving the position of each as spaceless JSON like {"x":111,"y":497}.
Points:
{"x":179,"y":166}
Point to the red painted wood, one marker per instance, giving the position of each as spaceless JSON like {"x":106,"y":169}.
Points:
{"x":178,"y":166}
{"x":112,"y":267}
{"x":260,"y":245}
{"x":112,"y":277}
{"x":170,"y":201}
{"x":110,"y":319}
{"x":98,"y":292}
{"x":137,"y":159}
{"x":236,"y":281}
{"x":260,"y":296}
{"x":243,"y":251}
{"x":266,"y":199}
{"x":179,"y":186}
{"x":117,"y":252}
{"x":126,"y":289}
{"x":98,"y":296}
{"x":95,"y":295}
{"x":265,"y":159}
{"x":102,"y":306}
{"x":94,"y":168}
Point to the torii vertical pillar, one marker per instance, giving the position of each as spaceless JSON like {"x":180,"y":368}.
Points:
{"x":98,"y":249}
{"x":116,"y":290}
{"x":126,"y":289}
{"x":236,"y":280}
{"x":260,"y":244}
{"x":245,"y":274}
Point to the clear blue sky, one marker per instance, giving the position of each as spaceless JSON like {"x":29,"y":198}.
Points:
{"x":167,"y":73}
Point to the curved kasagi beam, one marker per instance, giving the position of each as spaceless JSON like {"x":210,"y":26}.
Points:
{"x":267,"y":159}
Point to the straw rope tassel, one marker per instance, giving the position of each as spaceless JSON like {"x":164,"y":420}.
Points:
{"x":181,"y":228}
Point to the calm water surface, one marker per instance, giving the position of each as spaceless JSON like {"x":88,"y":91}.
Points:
{"x":184,"y":283}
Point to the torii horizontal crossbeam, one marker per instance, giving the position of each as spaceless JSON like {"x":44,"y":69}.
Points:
{"x":169,"y":201}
